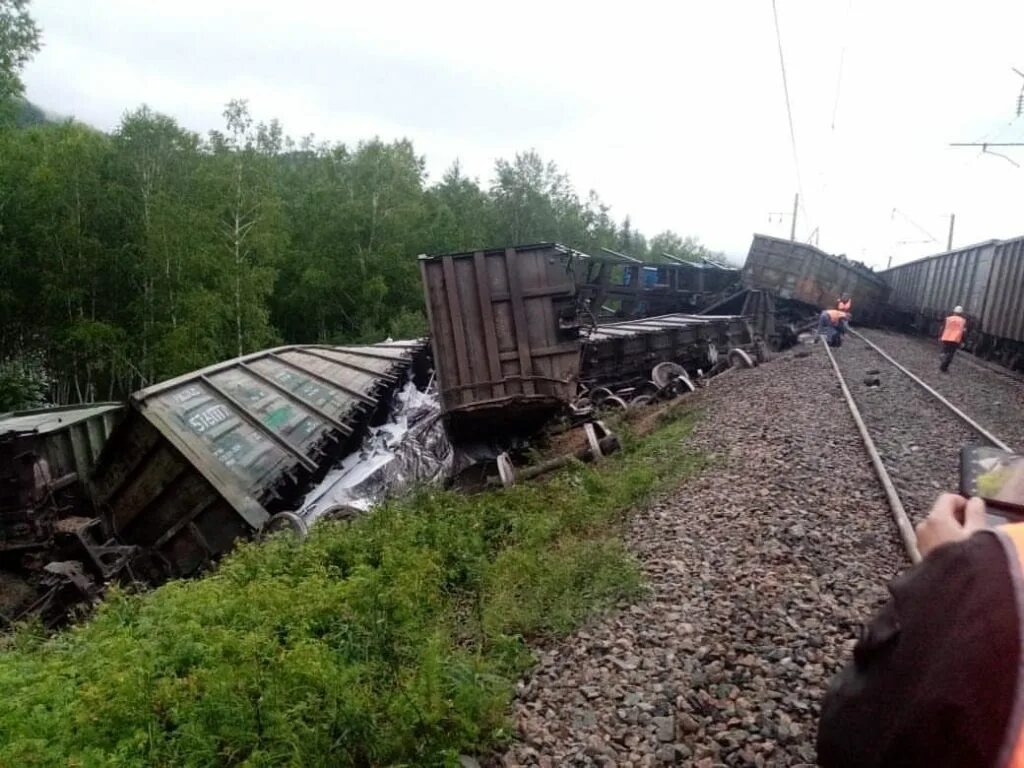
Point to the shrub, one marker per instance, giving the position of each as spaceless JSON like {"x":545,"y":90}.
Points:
{"x":393,"y":639}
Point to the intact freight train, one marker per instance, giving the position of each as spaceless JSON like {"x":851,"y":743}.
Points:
{"x":987,"y":279}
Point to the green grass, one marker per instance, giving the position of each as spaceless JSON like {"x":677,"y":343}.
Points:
{"x":392,"y":640}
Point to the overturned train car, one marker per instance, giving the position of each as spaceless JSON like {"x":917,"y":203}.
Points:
{"x":52,"y":550}
{"x":190,"y":466}
{"x":207,"y":458}
{"x":624,"y":353}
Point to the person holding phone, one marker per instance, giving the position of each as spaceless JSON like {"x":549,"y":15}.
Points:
{"x":937,"y":677}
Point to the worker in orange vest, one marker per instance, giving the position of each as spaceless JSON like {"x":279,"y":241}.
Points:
{"x":952,"y":336}
{"x":845,"y":304}
{"x":936,"y":679}
{"x":832,"y":325}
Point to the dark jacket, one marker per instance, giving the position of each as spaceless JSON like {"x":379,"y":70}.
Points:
{"x":933,"y":678}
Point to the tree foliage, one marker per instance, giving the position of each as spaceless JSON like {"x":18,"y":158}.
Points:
{"x":130,"y":257}
{"x":19,"y":40}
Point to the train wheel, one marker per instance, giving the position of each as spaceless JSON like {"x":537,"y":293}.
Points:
{"x":614,"y":403}
{"x":738,"y":357}
{"x":286,"y":521}
{"x":664,"y":373}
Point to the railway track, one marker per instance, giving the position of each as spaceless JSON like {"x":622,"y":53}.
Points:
{"x":912,"y":432}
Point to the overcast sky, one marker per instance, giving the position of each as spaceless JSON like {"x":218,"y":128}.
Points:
{"x":673,"y":112}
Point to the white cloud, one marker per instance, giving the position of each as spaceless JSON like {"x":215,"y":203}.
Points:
{"x":674,"y":113}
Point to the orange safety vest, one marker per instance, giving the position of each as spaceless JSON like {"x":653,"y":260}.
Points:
{"x":835,"y":315}
{"x":1012,"y":536}
{"x":954,"y":329}
{"x":844,"y":306}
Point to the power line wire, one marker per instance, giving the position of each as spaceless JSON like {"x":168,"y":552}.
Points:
{"x":915,"y":224}
{"x":789,"y":109}
{"x":842,"y":58}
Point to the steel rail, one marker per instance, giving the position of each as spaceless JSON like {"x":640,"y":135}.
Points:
{"x":899,"y":514}
{"x":917,"y":380}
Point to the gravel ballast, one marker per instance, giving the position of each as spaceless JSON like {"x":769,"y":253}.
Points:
{"x":918,"y":438}
{"x":761,"y":570}
{"x":992,"y":396}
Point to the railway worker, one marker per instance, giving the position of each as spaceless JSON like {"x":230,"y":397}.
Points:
{"x":937,"y":677}
{"x":952,"y":336}
{"x":832,"y":325}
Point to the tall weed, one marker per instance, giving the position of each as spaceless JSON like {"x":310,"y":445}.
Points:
{"x":393,"y":639}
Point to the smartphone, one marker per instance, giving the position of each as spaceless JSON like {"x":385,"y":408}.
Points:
{"x":998,"y":478}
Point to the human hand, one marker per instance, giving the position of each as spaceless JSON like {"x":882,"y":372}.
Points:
{"x":952,"y":518}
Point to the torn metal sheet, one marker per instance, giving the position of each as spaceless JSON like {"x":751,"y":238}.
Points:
{"x":412,"y":447}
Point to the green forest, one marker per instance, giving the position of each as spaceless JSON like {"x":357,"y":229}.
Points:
{"x":132,"y":256}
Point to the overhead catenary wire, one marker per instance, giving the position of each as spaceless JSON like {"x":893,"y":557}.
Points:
{"x":823,"y":191}
{"x":913,"y":223}
{"x":842,"y":59}
{"x":789,"y":110}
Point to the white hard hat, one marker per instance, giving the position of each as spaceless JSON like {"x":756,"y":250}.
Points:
{"x":958,"y":310}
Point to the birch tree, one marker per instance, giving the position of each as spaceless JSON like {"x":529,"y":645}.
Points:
{"x":250,"y":227}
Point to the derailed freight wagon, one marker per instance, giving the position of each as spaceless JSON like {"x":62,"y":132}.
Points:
{"x":46,"y":456}
{"x":615,"y":285}
{"x":986,"y":279}
{"x":505,"y":335}
{"x":800,"y":272}
{"x":46,"y":516}
{"x":624,"y":353}
{"x":207,"y":458}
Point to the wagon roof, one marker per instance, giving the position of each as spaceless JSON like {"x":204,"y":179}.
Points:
{"x":245,"y":423}
{"x":850,"y":264}
{"x":43,"y":420}
{"x":653,"y":325}
{"x":502,"y":249}
{"x":961,"y":249}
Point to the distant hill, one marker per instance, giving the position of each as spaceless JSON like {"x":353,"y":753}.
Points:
{"x":24,"y":114}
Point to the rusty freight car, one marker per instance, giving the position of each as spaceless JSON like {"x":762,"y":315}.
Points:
{"x":45,"y":513}
{"x":800,"y":272}
{"x":505,"y":334}
{"x":209,"y":457}
{"x":45,"y":459}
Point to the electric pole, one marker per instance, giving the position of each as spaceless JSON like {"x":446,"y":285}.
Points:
{"x":792,"y":231}
{"x":949,"y":242}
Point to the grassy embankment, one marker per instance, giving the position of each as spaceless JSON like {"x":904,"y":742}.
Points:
{"x":395,"y":639}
